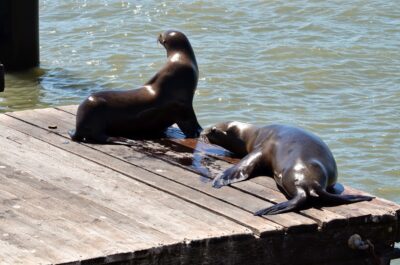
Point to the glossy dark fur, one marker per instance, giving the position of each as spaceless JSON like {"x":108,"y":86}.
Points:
{"x":110,"y":116}
{"x":300,"y":162}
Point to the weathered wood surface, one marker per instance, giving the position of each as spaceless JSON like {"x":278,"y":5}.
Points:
{"x":63,"y":201}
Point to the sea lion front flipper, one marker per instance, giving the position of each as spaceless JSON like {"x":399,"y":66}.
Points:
{"x":239,"y":172}
{"x":189,"y":125}
{"x":74,"y":136}
{"x":294,"y":204}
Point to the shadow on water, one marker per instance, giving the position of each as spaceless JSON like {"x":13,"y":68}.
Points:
{"x":68,"y":85}
{"x":22,"y":90}
{"x":41,"y":87}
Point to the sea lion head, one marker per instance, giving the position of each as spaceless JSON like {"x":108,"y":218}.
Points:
{"x":229,"y":135}
{"x":175,"y":41}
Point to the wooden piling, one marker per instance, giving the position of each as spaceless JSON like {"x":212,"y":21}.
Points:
{"x":1,"y":78}
{"x":19,"y":34}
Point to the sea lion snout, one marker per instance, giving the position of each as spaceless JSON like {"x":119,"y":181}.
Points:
{"x":214,"y":135}
{"x":161,"y":39}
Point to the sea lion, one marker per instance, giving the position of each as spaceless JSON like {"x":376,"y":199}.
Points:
{"x":167,"y":98}
{"x":300,"y":162}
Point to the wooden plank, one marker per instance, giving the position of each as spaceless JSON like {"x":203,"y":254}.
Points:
{"x":258,"y":224}
{"x":61,"y":238}
{"x":27,"y":230}
{"x":322,"y":217}
{"x":188,"y":222}
{"x":249,"y":250}
{"x":325,"y":219}
{"x":377,"y":202}
{"x":43,"y":200}
{"x":11,"y":254}
{"x":297,"y":222}
{"x":43,"y":118}
{"x":361,"y":212}
{"x":379,"y":210}
{"x":99,"y":183}
{"x":10,"y":245}
{"x":72,"y":109}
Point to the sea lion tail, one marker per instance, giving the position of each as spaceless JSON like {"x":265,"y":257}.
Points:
{"x":339,"y":198}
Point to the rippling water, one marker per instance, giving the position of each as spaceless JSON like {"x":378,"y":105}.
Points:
{"x":332,"y":67}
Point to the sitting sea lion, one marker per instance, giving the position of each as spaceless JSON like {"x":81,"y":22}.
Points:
{"x":167,"y":98}
{"x":300,"y":162}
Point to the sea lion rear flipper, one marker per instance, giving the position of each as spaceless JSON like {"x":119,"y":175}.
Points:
{"x":294,"y":204}
{"x":341,"y":199}
{"x":189,"y":124}
{"x":239,"y":172}
{"x":190,"y":128}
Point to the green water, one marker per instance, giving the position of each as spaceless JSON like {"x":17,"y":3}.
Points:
{"x":332,"y":67}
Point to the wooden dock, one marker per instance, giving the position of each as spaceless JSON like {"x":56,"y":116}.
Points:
{"x":72,"y":203}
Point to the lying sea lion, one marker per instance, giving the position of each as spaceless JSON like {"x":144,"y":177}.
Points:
{"x":300,"y":162}
{"x":167,"y":98}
